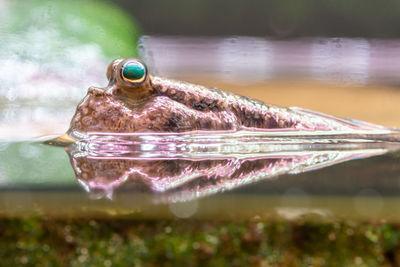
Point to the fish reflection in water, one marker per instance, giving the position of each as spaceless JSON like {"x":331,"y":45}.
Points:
{"x":178,"y":177}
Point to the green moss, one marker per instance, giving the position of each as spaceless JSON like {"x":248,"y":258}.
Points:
{"x":171,"y":243}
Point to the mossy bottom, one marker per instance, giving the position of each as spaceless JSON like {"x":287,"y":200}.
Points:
{"x":36,"y":241}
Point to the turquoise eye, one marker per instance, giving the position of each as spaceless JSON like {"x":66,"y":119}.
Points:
{"x":134,"y":72}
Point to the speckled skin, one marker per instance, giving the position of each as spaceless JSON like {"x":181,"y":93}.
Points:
{"x":163,"y":105}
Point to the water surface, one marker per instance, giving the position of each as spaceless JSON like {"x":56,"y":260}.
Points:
{"x":358,"y":182}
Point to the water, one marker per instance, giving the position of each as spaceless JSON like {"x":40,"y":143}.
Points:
{"x":211,"y":176}
{"x":356,"y":181}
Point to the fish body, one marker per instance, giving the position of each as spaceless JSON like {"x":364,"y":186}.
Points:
{"x":134,"y":102}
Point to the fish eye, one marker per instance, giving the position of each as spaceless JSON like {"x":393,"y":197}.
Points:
{"x":134,"y":71}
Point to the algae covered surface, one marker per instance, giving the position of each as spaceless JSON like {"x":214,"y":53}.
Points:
{"x":254,"y":242}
